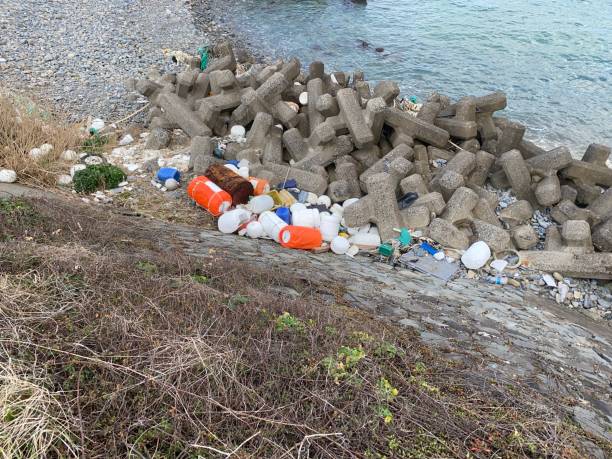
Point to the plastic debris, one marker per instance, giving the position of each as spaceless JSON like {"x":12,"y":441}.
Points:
{"x":476,"y":255}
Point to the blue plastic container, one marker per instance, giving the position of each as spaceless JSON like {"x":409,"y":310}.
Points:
{"x":166,"y":173}
{"x":284,"y":214}
{"x":233,"y":162}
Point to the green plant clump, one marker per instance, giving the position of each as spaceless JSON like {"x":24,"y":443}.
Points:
{"x":97,"y":176}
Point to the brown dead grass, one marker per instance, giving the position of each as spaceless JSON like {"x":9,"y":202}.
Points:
{"x":25,"y":125}
{"x":154,"y":354}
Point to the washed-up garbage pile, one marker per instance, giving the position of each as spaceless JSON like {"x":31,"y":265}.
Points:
{"x":309,"y":158}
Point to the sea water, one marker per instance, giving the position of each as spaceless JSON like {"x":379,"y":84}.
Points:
{"x":553,"y":58}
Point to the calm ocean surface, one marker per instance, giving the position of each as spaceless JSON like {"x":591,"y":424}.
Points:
{"x":553,"y":58}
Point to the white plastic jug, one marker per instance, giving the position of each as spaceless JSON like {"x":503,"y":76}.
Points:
{"x":272,"y":224}
{"x":330,"y":226}
{"x":230,"y":221}
{"x":340,"y":245}
{"x":476,"y":256}
{"x":297,"y":207}
{"x":261,"y":203}
{"x":337,"y":209}
{"x":309,"y":217}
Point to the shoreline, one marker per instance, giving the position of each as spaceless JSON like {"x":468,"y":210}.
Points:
{"x":87,"y":83}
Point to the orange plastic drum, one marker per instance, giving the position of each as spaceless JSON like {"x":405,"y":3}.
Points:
{"x":260,"y":186}
{"x":209,"y":196}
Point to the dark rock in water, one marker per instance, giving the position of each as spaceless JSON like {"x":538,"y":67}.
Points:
{"x":317,"y":47}
{"x":363,"y":43}
{"x":380,"y":50}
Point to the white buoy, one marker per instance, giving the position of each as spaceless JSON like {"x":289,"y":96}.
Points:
{"x":324,"y":200}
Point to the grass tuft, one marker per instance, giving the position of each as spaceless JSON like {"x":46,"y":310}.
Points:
{"x":23,"y":126}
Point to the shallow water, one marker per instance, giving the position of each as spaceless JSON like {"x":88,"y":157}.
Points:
{"x":552,"y":57}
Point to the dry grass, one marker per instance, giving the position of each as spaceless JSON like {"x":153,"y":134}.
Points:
{"x":33,"y":422}
{"x":152,"y":354}
{"x":25,"y":125}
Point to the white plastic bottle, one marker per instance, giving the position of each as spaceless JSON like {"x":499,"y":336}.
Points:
{"x":330,"y":226}
{"x":272,"y":224}
{"x":230,"y":221}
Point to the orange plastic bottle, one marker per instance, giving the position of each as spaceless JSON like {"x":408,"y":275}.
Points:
{"x":300,"y":237}
{"x":209,"y":196}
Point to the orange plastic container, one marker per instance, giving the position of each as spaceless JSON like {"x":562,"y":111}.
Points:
{"x":209,"y":196}
{"x":260,"y":186}
{"x":300,"y":237}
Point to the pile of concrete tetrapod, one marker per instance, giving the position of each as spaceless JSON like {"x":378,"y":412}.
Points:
{"x":338,"y":135}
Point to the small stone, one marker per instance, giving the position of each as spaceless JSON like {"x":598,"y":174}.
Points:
{"x":471,"y":274}
{"x":558,"y":276}
{"x":8,"y":176}
{"x":36,"y":153}
{"x":171,"y":184}
{"x":69,"y":155}
{"x":126,"y":140}
{"x":93,"y":160}
{"x":549,"y":280}
{"x":46,"y":148}
{"x":77,"y":167}
{"x":64,"y":180}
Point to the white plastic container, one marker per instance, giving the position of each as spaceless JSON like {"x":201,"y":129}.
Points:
{"x":476,"y":256}
{"x":230,"y":221}
{"x":330,"y":226}
{"x":261,"y":203}
{"x":272,"y":224}
{"x":340,"y":245}
{"x":255,"y":230}
{"x":97,"y":125}
{"x":309,"y":217}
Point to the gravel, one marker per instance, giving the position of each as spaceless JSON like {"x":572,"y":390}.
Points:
{"x":78,"y":55}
